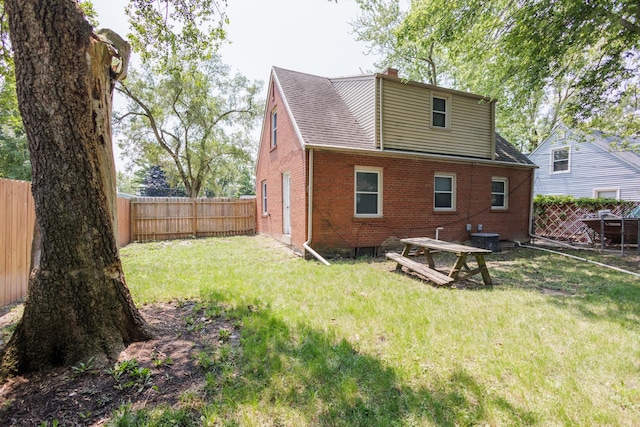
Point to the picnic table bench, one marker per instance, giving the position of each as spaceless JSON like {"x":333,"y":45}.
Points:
{"x":427,"y":246}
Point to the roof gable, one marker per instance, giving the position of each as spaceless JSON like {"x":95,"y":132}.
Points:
{"x":612,"y":145}
{"x":323,"y":118}
{"x":320,"y":113}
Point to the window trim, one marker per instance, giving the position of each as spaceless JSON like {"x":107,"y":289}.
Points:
{"x":367,"y":169}
{"x":553,"y":161}
{"x":446,"y":112}
{"x":609,"y":189}
{"x":505,"y":204}
{"x":453,"y":178}
{"x":274,"y":128}
{"x":264,"y":197}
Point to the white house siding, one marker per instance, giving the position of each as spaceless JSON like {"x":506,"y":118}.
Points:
{"x":590,"y":167}
{"x":406,"y":122}
{"x":359,"y":95}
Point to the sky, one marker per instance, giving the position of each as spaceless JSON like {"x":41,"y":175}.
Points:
{"x":311,"y":36}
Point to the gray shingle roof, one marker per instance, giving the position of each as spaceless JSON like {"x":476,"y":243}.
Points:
{"x":320,"y":113}
{"x":323,"y":117}
{"x":506,"y":152}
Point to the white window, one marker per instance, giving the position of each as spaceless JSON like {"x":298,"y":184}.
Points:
{"x":499,"y":193}
{"x":606,"y":193}
{"x":368,"y":192}
{"x":264,"y":197}
{"x":440,"y":111}
{"x":274,"y":129}
{"x":560,"y":158}
{"x":444,"y":198}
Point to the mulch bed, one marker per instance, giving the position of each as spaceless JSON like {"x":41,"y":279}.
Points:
{"x":86,"y":396}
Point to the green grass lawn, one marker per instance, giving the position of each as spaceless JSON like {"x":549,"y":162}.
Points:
{"x":555,"y":341}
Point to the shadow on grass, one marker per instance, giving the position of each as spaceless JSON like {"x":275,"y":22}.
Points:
{"x":595,"y":291}
{"x":327,"y":382}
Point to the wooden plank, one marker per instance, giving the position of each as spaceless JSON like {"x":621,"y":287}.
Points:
{"x":431,"y":274}
{"x":5,"y":282}
{"x":445,"y":246}
{"x":17,"y":217}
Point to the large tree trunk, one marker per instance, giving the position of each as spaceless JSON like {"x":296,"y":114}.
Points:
{"x":78,"y":305}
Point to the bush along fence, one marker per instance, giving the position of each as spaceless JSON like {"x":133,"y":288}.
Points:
{"x":139,"y":219}
{"x":560,"y":217}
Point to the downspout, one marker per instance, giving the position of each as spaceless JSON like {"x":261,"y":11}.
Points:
{"x":305,"y":245}
{"x":380,"y":114}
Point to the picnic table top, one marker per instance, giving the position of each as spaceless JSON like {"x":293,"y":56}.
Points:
{"x":442,"y":245}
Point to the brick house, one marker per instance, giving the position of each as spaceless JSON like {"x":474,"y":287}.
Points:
{"x":348,"y":166}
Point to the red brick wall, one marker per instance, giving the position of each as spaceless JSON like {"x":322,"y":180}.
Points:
{"x":408,"y":193}
{"x":407,"y":196}
{"x":289,"y":156}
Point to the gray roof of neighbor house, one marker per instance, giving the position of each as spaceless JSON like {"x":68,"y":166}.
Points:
{"x":323,"y":117}
{"x":616,"y":146}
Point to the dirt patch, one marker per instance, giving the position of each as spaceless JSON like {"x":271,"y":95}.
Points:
{"x":167,"y":372}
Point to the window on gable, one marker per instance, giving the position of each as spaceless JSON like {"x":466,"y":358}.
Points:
{"x":440,"y":111}
{"x":444,"y":198}
{"x":264,"y":197}
{"x":274,"y":129}
{"x":499,"y":193}
{"x":560,"y":160}
{"x":368,"y":192}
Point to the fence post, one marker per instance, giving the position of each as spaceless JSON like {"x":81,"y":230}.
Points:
{"x":195,"y":218}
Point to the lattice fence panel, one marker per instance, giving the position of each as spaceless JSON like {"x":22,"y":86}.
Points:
{"x":563,"y":221}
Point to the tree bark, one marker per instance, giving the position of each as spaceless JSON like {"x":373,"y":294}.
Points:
{"x":78,"y":305}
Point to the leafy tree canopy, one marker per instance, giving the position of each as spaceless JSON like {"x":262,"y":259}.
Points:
{"x":194,"y":118}
{"x":155,"y":184}
{"x":164,"y":30}
{"x":14,"y":151}
{"x":546,"y":61}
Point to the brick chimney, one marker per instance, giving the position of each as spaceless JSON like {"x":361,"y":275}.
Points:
{"x":391,"y":72}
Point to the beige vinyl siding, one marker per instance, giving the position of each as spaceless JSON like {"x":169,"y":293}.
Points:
{"x":359,"y":95}
{"x":406,"y":122}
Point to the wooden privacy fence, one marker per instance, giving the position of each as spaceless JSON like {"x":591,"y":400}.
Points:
{"x":139,"y":219}
{"x":165,"y":218}
{"x":17,"y":217}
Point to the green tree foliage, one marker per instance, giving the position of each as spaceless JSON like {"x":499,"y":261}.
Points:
{"x":546,"y":61}
{"x":194,"y":118}
{"x":162,"y":30}
{"x":155,"y":184}
{"x":14,"y":149}
{"x":186,"y":112}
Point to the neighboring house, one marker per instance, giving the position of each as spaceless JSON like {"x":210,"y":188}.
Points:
{"x":596,"y":166}
{"x":348,"y":166}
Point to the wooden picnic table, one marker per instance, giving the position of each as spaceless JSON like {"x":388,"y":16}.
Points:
{"x":427,"y":246}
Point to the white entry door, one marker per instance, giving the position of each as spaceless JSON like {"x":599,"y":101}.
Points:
{"x":286,"y":203}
